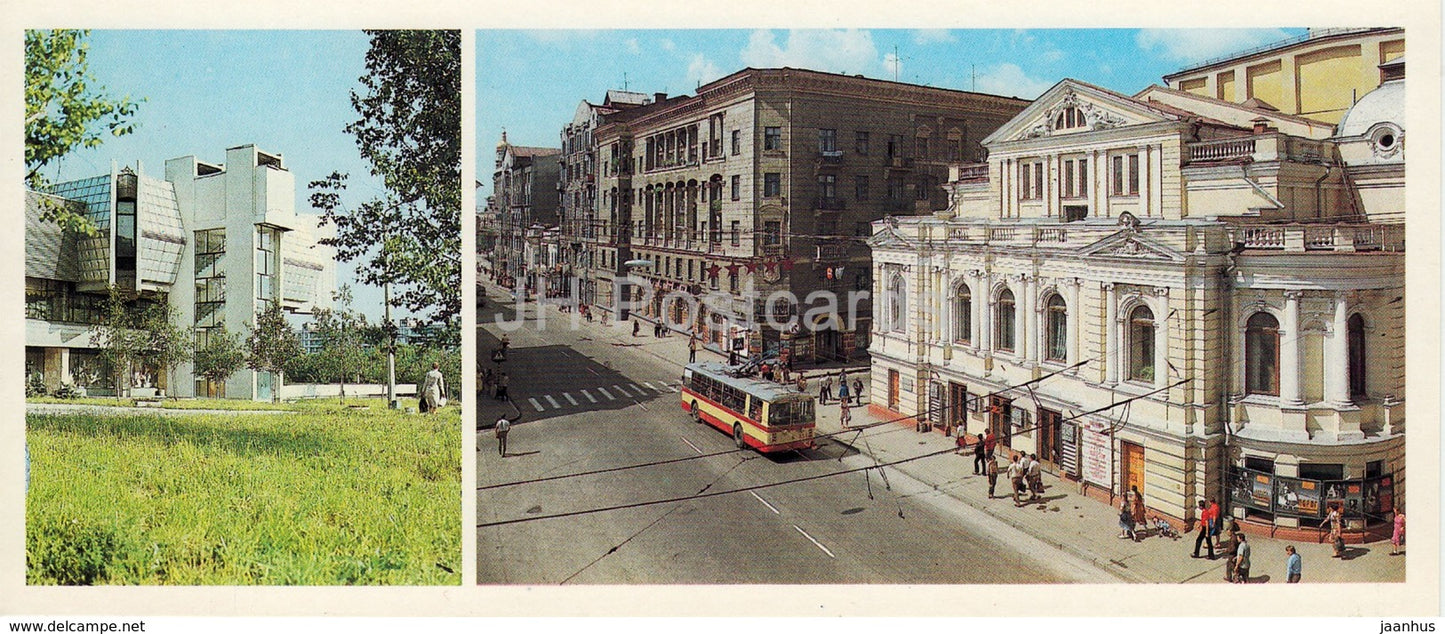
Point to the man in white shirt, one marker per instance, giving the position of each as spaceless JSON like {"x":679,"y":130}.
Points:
{"x":1015,"y":479}
{"x":503,"y":426}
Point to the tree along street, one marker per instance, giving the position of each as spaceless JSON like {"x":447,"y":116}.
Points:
{"x":848,"y":528}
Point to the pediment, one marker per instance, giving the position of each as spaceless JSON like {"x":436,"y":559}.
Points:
{"x":1098,"y":108}
{"x":1130,"y":243}
{"x":890,"y":238}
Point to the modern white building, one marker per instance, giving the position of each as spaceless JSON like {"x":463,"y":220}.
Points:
{"x":216,"y":241}
{"x":1237,"y":270}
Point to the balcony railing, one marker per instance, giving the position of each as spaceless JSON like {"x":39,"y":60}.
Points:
{"x":771,"y":250}
{"x":831,"y":204}
{"x":831,"y":252}
{"x":1220,"y":150}
{"x":1323,"y":237}
{"x":1259,"y":148}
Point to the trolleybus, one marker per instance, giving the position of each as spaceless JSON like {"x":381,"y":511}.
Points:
{"x":764,"y":415}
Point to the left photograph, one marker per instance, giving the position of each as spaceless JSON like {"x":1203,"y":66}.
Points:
{"x":242,"y":307}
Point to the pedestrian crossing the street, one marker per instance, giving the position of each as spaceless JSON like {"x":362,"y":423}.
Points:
{"x":549,"y":402}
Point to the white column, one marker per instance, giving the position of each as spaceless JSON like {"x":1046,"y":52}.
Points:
{"x":1289,"y":352}
{"x":1337,"y":360}
{"x":975,"y":305}
{"x":1076,"y":315}
{"x":1146,"y":195}
{"x":1030,"y":323}
{"x":1161,"y":345}
{"x":985,"y":335}
{"x":1111,"y":334}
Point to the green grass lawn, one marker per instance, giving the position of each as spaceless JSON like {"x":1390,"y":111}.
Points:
{"x":328,"y":495}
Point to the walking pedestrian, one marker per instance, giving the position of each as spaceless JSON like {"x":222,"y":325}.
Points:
{"x":991,"y":468}
{"x":1207,"y":525}
{"x":843,"y":389}
{"x":1126,"y":519}
{"x":845,"y":415}
{"x":1292,"y":565}
{"x":503,"y":426}
{"x":1036,"y":478}
{"x":858,"y":390}
{"x":990,"y":442}
{"x":1397,"y":537}
{"x":1336,"y":537}
{"x":692,"y":349}
{"x":802,"y":383}
{"x":1241,"y":560}
{"x":636,"y":326}
{"x":502,"y":388}
{"x":825,"y":392}
{"x":1218,"y":518}
{"x":434,"y":388}
{"x":979,"y":454}
{"x":732,"y":356}
{"x":1016,"y":479}
{"x":1138,"y":506}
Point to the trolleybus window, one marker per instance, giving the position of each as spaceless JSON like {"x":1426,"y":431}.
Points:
{"x":790,"y":413}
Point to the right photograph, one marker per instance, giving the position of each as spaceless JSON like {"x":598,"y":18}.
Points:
{"x":1073,"y":306}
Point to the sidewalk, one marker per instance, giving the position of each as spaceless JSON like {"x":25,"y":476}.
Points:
{"x":1065,"y":519}
{"x":1088,"y":528}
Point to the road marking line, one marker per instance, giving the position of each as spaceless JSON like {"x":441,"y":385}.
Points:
{"x":672,"y":387}
{"x":772,"y":508}
{"x":553,"y":401}
{"x":815,"y":542}
{"x":640,"y":391}
{"x":640,"y":404}
{"x":694,"y":448}
{"x":604,"y":392}
{"x":589,"y":396}
{"x":535,"y":404}
{"x":649,"y":385}
{"x":569,"y":398}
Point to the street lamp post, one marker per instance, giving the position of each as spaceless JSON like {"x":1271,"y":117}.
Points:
{"x":390,"y":347}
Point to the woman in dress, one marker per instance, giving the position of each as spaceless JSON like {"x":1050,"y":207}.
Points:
{"x":1332,"y":520}
{"x":1138,"y":506}
{"x":1126,"y":519}
{"x":433,"y":388}
{"x":1398,"y":536}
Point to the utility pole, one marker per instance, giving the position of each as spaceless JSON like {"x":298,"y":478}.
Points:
{"x":390,"y":347}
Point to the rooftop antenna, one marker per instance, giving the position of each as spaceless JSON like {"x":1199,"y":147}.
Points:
{"x":624,"y":81}
{"x":973,"y":76}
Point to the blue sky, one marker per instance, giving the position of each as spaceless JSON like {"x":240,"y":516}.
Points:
{"x":530,"y":82}
{"x":285,"y":91}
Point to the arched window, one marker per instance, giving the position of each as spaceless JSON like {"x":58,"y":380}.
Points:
{"x":962,"y":314}
{"x":1056,"y":346}
{"x":1355,"y":340}
{"x":1003,"y":323}
{"x":1261,"y":355}
{"x":1141,"y":344}
{"x":897,"y":304}
{"x":1071,"y":117}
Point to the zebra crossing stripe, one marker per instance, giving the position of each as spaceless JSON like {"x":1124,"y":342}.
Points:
{"x":569,"y":398}
{"x":640,"y":391}
{"x":672,"y":387}
{"x":553,"y":401}
{"x":535,"y":404}
{"x":604,"y":392}
{"x":589,"y":396}
{"x":649,"y":385}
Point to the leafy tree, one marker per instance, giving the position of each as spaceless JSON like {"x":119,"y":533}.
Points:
{"x":409,"y":130}
{"x":120,"y":341}
{"x":220,"y":357}
{"x":164,"y":344}
{"x":341,"y":331}
{"x":65,"y":109}
{"x":271,"y":344}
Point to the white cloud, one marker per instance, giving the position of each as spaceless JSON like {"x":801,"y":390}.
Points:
{"x":1052,"y":55}
{"x":701,"y":70}
{"x":1195,"y":45}
{"x":850,"y":51}
{"x":1010,"y":81}
{"x":668,"y":45}
{"x":924,"y":37}
{"x":633,"y":47}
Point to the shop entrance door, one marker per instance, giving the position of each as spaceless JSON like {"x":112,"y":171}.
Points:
{"x":1049,"y":425}
{"x":893,"y":390}
{"x":958,"y":405}
{"x":1132,"y":466}
{"x":998,"y":419}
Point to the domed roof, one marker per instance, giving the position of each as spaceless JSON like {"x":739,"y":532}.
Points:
{"x":1385,"y":104}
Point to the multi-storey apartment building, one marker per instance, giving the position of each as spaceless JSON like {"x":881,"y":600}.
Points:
{"x":218,"y":242}
{"x":578,"y":188}
{"x":524,"y":195}
{"x":1237,"y":270}
{"x":765,"y":181}
{"x":1319,"y":75}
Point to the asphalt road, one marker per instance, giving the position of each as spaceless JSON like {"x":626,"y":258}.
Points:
{"x":587,"y":403}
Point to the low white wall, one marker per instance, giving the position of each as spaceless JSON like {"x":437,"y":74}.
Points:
{"x":322,"y":390}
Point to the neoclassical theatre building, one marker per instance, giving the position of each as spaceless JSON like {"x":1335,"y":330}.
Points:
{"x":1239,"y":268}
